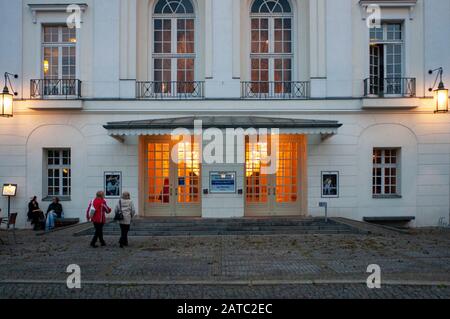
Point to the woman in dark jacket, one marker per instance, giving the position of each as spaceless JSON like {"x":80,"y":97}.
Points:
{"x":56,"y":207}
{"x":35,"y":214}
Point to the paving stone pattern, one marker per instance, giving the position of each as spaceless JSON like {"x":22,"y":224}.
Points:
{"x":423,"y":256}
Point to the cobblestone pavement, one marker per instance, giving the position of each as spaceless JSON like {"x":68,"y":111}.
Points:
{"x":422,"y":257}
{"x":322,"y":291}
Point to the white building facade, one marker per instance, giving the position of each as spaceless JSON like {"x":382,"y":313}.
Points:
{"x":357,"y":129}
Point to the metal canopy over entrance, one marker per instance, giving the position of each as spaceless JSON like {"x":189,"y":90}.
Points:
{"x":165,"y":126}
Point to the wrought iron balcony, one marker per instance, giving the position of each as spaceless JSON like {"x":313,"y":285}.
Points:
{"x":387,"y":87}
{"x":276,"y":90}
{"x":55,"y":88}
{"x":170,"y":90}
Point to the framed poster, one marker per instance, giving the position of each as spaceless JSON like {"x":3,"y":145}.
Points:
{"x":113,"y":184}
{"x":330,"y":184}
{"x":222,"y":182}
{"x":9,"y":190}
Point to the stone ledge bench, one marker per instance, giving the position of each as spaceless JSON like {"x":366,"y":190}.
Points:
{"x":399,"y":219}
{"x":397,"y":222}
{"x":64,"y":222}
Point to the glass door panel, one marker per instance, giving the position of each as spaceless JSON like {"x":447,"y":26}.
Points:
{"x":172,"y":185}
{"x":278,"y":193}
{"x":159,"y":173}
{"x":188,"y":173}
{"x":287,"y":173}
{"x":256,"y":182}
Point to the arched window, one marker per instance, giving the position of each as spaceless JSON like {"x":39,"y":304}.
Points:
{"x":174,"y":46}
{"x":271,"y":46}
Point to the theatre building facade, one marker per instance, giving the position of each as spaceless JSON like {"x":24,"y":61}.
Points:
{"x":229,"y":108}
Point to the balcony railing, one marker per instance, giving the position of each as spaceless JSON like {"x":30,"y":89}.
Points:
{"x":55,"y":88}
{"x":402,"y":87}
{"x":170,"y":90}
{"x":276,"y":90}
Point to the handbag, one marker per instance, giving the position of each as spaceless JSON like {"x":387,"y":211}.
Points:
{"x":91,"y":210}
{"x":119,"y":215}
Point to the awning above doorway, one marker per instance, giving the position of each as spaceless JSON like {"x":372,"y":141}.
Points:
{"x":167,"y":125}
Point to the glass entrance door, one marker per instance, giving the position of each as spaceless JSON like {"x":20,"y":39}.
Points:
{"x":172,"y":185}
{"x":274,"y":193}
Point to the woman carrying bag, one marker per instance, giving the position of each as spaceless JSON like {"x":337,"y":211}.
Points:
{"x":96,"y":213}
{"x":124,"y":212}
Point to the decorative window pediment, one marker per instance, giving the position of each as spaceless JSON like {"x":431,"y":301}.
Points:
{"x":386,"y":4}
{"x":58,"y":8}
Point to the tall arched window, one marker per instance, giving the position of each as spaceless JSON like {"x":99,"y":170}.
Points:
{"x":174,"y":46}
{"x":271,"y":46}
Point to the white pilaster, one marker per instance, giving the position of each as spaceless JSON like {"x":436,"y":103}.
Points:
{"x":128,"y":18}
{"x":222,"y":84}
{"x":318,"y":59}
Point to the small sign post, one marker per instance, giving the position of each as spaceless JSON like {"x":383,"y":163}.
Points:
{"x":325,"y":204}
{"x":9,"y":190}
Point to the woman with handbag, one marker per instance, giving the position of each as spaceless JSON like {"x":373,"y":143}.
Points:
{"x":96,"y":213}
{"x":124,"y":212}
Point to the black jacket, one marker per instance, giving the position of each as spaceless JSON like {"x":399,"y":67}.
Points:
{"x":57,"y":208}
{"x":32,"y":206}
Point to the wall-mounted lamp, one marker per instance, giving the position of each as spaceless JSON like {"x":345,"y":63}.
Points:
{"x":6,"y":98}
{"x":441,"y":93}
{"x":46,"y":66}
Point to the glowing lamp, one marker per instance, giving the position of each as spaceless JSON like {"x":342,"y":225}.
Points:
{"x":6,"y":98}
{"x":46,"y":66}
{"x":441,"y":98}
{"x":440,"y":94}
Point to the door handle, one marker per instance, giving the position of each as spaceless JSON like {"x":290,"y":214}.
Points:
{"x":268,"y":191}
{"x":171,"y":191}
{"x":274,"y":191}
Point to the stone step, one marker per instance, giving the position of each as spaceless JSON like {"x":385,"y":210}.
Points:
{"x":234,"y":223}
{"x":225,"y":233}
{"x":214,"y":227}
{"x":229,"y":228}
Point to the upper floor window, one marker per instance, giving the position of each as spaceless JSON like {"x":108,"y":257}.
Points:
{"x":386,"y":59}
{"x":271,"y":46}
{"x":174,"y":46}
{"x":59,"y":52}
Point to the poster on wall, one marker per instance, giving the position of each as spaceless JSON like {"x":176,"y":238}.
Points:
{"x":330,"y":184}
{"x":222,"y":182}
{"x":113,"y":184}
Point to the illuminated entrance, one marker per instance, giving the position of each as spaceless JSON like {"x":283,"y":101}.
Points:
{"x":281,"y":192}
{"x":170,"y":173}
{"x":171,"y":186}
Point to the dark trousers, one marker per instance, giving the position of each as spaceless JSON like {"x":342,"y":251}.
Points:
{"x":98,"y":234}
{"x":124,"y":229}
{"x":38,"y":220}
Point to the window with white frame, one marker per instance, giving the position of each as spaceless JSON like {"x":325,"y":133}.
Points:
{"x":59,"y":172}
{"x":174,"y":46}
{"x":386,"y":58}
{"x":271,"y":53}
{"x":386,"y":172}
{"x":59,"y":52}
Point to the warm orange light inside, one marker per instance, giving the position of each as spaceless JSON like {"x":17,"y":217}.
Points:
{"x":46,"y":66}
{"x":441,"y":97}
{"x":6,"y":104}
